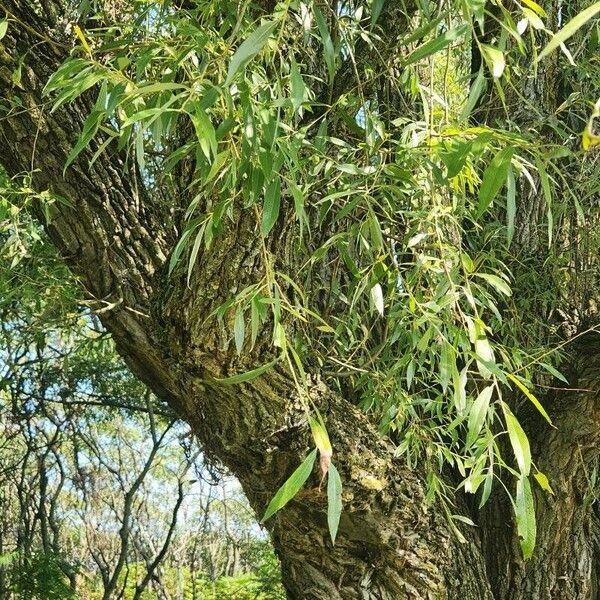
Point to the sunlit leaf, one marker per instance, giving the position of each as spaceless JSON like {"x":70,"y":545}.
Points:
{"x":249,"y":48}
{"x":518,"y":441}
{"x":377,"y":298}
{"x":570,"y":29}
{"x":478,"y":413}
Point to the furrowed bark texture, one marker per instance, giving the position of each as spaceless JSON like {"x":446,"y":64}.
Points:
{"x":391,"y":545}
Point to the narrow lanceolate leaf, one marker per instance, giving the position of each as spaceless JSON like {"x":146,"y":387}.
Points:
{"x":478,"y":413}
{"x":320,"y":435}
{"x":376,"y":7}
{"x":544,"y":483}
{"x":530,"y":397}
{"x":525,"y":513}
{"x":321,"y":438}
{"x":239,"y":330}
{"x":439,"y":43}
{"x":271,"y":206}
{"x":511,"y":205}
{"x":334,"y":501}
{"x":247,"y":376}
{"x":477,"y":88}
{"x":494,"y":59}
{"x":297,"y":87}
{"x":249,"y":49}
{"x":518,"y":441}
{"x":90,"y":128}
{"x":328,"y":46}
{"x":377,"y":298}
{"x":291,"y":487}
{"x":3,"y":28}
{"x":493,"y":178}
{"x":570,"y":28}
{"x":496,"y":282}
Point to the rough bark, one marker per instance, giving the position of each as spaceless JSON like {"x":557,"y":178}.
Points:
{"x":391,"y":545}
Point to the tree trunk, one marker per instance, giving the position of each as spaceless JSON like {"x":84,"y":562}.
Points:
{"x":391,"y":544}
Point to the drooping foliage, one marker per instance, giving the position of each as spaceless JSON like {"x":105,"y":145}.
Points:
{"x":413,"y":279}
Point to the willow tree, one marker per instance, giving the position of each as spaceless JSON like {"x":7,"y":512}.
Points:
{"x":353,"y":245}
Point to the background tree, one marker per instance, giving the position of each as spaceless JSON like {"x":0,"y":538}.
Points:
{"x":364,"y":225}
{"x":103,"y":493}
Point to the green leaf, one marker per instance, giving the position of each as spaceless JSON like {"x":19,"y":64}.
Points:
{"x":435,"y":45}
{"x":194,"y":252}
{"x":182,"y":244}
{"x":320,"y":435}
{"x":334,"y":501}
{"x":291,"y":487}
{"x":534,"y":6}
{"x":328,"y":47}
{"x":497,"y":282}
{"x":569,"y":29}
{"x":249,"y":48}
{"x":247,"y":376}
{"x":546,"y":189}
{"x":554,"y":372}
{"x":484,"y":351}
{"x":271,"y":206}
{"x":518,"y":441}
{"x":478,"y":8}
{"x":297,"y":87}
{"x":422,"y":31}
{"x":239,"y":330}
{"x":478,"y":413}
{"x":543,"y":482}
{"x":90,"y":127}
{"x":459,"y":382}
{"x":494,"y":59}
{"x":205,"y":132}
{"x":511,"y":205}
{"x":455,"y":159}
{"x":525,"y":513}
{"x":487,"y":488}
{"x":530,"y":397}
{"x":493,"y":178}
{"x":3,"y":28}
{"x":477,"y":88}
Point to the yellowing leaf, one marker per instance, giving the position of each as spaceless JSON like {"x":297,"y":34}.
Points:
{"x":535,"y":7}
{"x":320,"y":435}
{"x":82,"y":39}
{"x":543,"y":481}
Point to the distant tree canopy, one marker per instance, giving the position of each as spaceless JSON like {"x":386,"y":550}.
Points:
{"x":103,"y":492}
{"x":353,"y":245}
